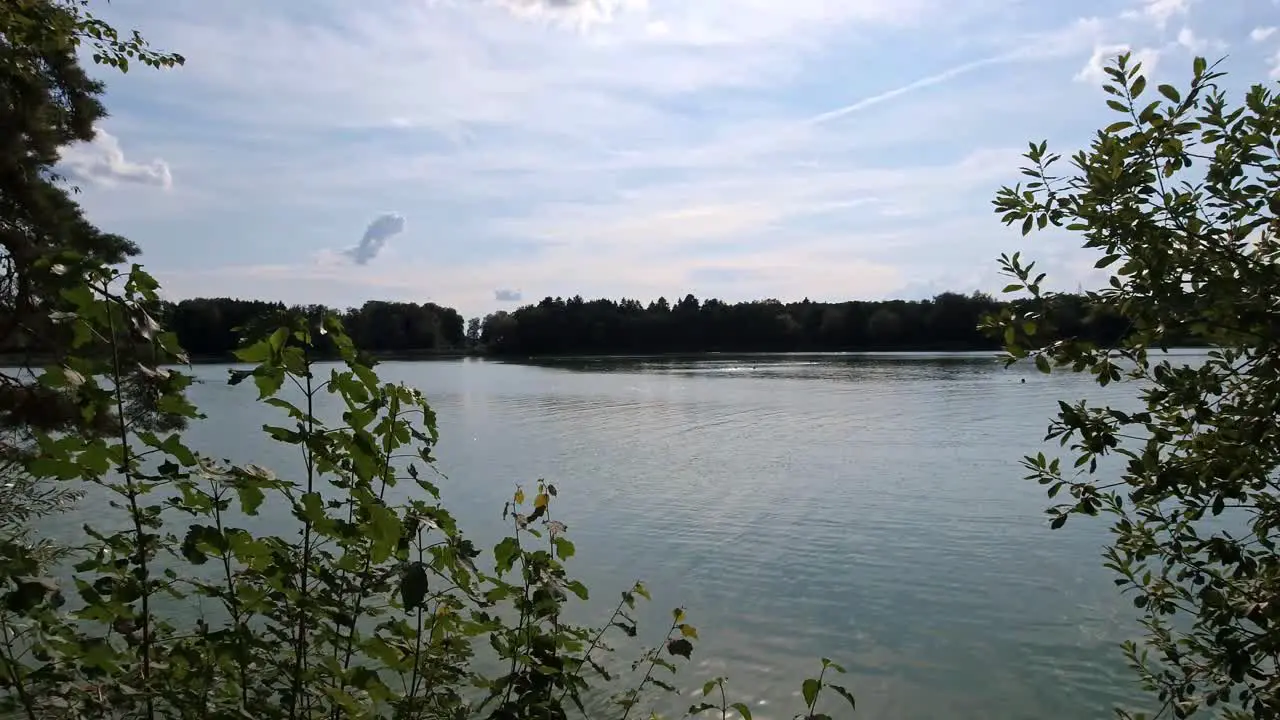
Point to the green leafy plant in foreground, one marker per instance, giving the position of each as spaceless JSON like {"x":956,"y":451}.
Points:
{"x":361,"y":599}
{"x":1180,"y":197}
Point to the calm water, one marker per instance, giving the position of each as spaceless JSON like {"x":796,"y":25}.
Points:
{"x":865,"y":508}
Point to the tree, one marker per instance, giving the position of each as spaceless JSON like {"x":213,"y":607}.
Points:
{"x":47,"y":247}
{"x":1180,"y":198}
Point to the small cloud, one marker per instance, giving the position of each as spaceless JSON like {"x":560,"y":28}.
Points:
{"x":1159,"y":12}
{"x":1259,"y":34}
{"x":1094,"y":71}
{"x":508,"y":295}
{"x":1196,"y":44}
{"x":383,"y":228}
{"x":575,"y":12}
{"x":101,"y":161}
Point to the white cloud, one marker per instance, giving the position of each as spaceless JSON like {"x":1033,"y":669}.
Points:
{"x":1199,"y":45}
{"x":1160,"y":12}
{"x":582,"y":13}
{"x":1094,"y":71}
{"x":1259,"y":34}
{"x":380,"y":230}
{"x":101,"y":161}
{"x":611,"y":148}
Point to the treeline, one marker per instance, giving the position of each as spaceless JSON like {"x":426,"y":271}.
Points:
{"x":211,"y":327}
{"x":947,"y":322}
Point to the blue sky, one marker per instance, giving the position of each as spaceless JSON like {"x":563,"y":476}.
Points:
{"x":741,"y":149}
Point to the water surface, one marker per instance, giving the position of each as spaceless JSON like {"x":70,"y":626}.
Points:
{"x":868,"y":508}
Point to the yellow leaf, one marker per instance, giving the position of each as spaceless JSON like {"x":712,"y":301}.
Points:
{"x":689,"y":631}
{"x":541,"y":500}
{"x":519,"y":498}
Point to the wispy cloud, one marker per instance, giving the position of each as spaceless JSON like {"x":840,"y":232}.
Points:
{"x":101,"y":161}
{"x":1160,"y":12}
{"x":582,"y":13}
{"x":383,"y":228}
{"x":1094,"y":72}
{"x":737,"y":148}
{"x":1259,"y":34}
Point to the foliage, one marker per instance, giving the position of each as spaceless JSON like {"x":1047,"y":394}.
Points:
{"x":577,"y":326}
{"x":208,"y":327}
{"x":212,"y":327}
{"x":66,"y":25}
{"x":46,"y":245}
{"x":1180,"y":197}
{"x":363,"y":599}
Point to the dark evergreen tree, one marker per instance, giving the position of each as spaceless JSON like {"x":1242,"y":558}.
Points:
{"x":47,"y":247}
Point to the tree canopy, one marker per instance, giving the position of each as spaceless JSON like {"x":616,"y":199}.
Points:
{"x":47,"y":247}
{"x":949,"y":321}
{"x":1180,"y":199}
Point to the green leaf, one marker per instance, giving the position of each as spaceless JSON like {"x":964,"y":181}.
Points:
{"x":680,"y":647}
{"x":743,"y":710}
{"x":1199,"y":66}
{"x":385,"y":529}
{"x":1116,"y":127}
{"x":1117,"y":106}
{"x":810,"y":690}
{"x":844,"y":693}
{"x":413,"y":586}
{"x":250,"y":496}
{"x":1170,"y":92}
{"x":577,"y":588}
{"x":312,"y":510}
{"x":268,"y":381}
{"x":256,"y":353}
{"x":505,"y":553}
{"x":1042,"y":364}
{"x":564,"y":548}
{"x":1139,"y":84}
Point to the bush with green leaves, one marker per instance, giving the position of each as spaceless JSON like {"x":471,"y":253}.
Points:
{"x":1180,"y":197}
{"x":367,"y":607}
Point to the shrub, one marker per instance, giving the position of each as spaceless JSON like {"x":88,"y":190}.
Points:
{"x":371,"y":607}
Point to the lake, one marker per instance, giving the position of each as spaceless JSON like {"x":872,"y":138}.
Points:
{"x":867,"y":508}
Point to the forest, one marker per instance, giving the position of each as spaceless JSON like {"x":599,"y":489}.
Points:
{"x":211,"y":328}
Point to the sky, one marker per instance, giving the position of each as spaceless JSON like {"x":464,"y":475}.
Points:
{"x":481,"y":154}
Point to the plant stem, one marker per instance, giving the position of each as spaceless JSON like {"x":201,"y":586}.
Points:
{"x":648,"y":673}
{"x":233,"y":606}
{"x":595,"y":642}
{"x":309,"y":459}
{"x":131,"y":493}
{"x":520,"y":629}
{"x":393,"y":413}
{"x":28,"y":705}
{"x":821,"y":674}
